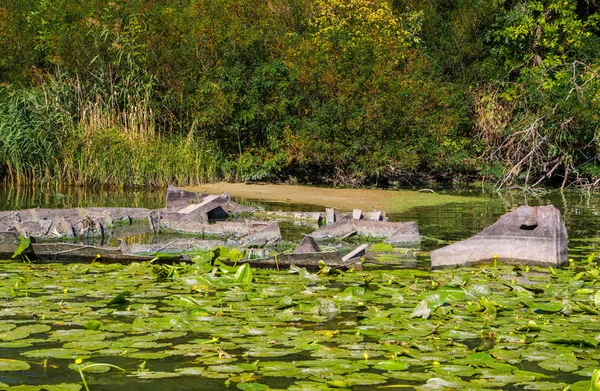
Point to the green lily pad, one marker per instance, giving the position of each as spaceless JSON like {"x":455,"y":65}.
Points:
{"x":391,"y":365}
{"x":56,"y":353}
{"x":154,"y":375}
{"x":62,"y":387}
{"x":252,"y":386}
{"x":9,"y":365}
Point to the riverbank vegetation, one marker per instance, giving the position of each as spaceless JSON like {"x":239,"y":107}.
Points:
{"x":341,"y":92}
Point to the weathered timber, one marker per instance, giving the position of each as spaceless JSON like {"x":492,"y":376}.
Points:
{"x":71,"y":252}
{"x":528,"y":235}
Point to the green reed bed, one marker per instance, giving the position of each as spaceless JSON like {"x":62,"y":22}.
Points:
{"x":63,"y":132}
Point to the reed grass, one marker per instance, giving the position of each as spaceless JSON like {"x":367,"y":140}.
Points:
{"x":100,"y":133}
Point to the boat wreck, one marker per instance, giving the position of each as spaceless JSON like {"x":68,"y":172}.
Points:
{"x":527,"y":235}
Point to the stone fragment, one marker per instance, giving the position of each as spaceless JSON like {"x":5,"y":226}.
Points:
{"x":330,"y":216}
{"x":356,"y":253}
{"x":408,"y":233}
{"x":270,"y":234}
{"x":178,"y":198}
{"x":154,"y":218}
{"x":34,"y":228}
{"x":357,"y":214}
{"x":375,"y":215}
{"x":528,"y":235}
{"x":369,"y":228}
{"x":212,"y":207}
{"x":307,"y":245}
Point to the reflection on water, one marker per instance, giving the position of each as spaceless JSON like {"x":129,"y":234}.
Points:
{"x":52,"y":196}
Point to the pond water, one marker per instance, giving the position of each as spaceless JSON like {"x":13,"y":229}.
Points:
{"x":400,"y":325}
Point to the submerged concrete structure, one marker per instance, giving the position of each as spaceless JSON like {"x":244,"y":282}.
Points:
{"x":397,"y":233}
{"x":528,"y":235}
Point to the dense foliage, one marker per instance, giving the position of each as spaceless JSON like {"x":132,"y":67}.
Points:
{"x":338,"y":91}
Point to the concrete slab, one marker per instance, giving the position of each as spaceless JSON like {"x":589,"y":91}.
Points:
{"x":358,"y":252}
{"x":330,"y":216}
{"x":407,"y":234}
{"x":307,"y":245}
{"x":527,"y":235}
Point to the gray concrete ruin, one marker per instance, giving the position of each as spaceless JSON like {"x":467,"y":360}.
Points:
{"x":397,"y":233}
{"x":192,"y":222}
{"x":528,"y":235}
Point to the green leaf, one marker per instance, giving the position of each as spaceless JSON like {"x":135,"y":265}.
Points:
{"x":93,"y":324}
{"x":121,"y":298}
{"x":595,"y":382}
{"x":62,"y":387}
{"x":24,"y":243}
{"x":549,"y":307}
{"x":597,"y":299}
{"x":243,"y":275}
{"x":8,"y":365}
{"x":391,"y":365}
{"x":381,"y":247}
{"x":252,"y":386}
{"x":422,"y":310}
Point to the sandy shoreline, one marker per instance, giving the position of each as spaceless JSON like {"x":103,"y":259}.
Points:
{"x":342,"y":199}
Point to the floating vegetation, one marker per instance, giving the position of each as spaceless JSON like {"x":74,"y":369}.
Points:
{"x":493,"y":327}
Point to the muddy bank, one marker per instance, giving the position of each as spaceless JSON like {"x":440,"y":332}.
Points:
{"x":341,"y":199}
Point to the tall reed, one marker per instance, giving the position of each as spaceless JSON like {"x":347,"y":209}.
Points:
{"x":96,"y":132}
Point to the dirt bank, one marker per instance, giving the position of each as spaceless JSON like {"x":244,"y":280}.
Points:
{"x":342,"y":199}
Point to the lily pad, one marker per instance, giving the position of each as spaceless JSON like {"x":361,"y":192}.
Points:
{"x":9,"y":365}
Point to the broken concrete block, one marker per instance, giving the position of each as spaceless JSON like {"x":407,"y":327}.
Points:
{"x":369,"y":228}
{"x":408,"y":233}
{"x":307,"y":245}
{"x":329,"y":216}
{"x":178,"y":198}
{"x":529,"y":235}
{"x":268,"y":235}
{"x":357,"y":214}
{"x":212,"y":207}
{"x":34,"y":228}
{"x":356,"y":253}
{"x":88,"y":227}
{"x":375,"y":215}
{"x":63,"y":228}
{"x":154,"y":218}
